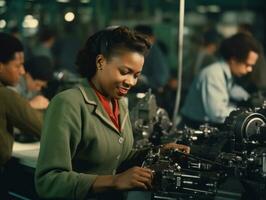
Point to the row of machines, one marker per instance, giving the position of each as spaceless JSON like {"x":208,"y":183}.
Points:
{"x":228,"y":162}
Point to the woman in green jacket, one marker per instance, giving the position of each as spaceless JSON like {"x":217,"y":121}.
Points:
{"x":87,"y":132}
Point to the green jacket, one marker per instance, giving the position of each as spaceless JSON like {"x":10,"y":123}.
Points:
{"x":79,"y":142}
{"x":15,"y":111}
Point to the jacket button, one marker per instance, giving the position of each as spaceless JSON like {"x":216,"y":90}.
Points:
{"x":121,"y":140}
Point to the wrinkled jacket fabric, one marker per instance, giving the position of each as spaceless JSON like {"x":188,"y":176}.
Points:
{"x":15,"y":111}
{"x":80,"y":142}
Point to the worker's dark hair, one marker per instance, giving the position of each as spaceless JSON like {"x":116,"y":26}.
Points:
{"x":9,"y":45}
{"x":39,"y":67}
{"x":109,"y":42}
{"x":238,"y":47}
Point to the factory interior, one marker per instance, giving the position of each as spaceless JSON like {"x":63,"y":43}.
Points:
{"x":132,"y":99}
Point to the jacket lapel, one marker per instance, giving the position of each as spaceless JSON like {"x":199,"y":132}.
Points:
{"x":123,"y":116}
{"x":91,"y":98}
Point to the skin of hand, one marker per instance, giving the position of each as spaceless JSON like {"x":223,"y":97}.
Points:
{"x":138,"y":177}
{"x":135,"y":177}
{"x":39,"y":102}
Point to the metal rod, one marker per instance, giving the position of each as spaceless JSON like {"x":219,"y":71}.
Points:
{"x":180,"y":61}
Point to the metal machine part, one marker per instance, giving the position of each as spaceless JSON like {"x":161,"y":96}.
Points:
{"x":149,"y":122}
{"x":245,"y":125}
{"x":177,"y":174}
{"x":246,"y":128}
{"x":191,"y":136}
{"x":237,"y":151}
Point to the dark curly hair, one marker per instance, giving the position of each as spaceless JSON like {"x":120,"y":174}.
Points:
{"x":238,"y":47}
{"x":109,"y":42}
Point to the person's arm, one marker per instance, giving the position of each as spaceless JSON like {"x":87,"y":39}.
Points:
{"x":137,"y":156}
{"x":61,"y":134}
{"x":22,"y":115}
{"x":135,"y":177}
{"x":238,"y":93}
{"x":215,"y":98}
{"x":55,"y":177}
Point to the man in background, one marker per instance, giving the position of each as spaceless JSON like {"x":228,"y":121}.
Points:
{"x":15,"y":111}
{"x":213,"y":93}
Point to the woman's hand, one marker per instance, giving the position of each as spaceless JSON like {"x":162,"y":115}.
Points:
{"x":179,"y":147}
{"x":135,"y":177}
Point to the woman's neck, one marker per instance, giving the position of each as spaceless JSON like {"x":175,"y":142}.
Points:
{"x":97,"y":87}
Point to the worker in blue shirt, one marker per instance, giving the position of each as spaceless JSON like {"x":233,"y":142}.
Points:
{"x":213,"y":93}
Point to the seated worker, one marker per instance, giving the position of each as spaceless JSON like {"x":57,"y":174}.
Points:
{"x":14,"y":109}
{"x":212,"y":94}
{"x":87,"y":131}
{"x":38,"y":73}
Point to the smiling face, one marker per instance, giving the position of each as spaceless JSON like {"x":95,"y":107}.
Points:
{"x":11,"y":71}
{"x":239,"y":69}
{"x":115,"y":76}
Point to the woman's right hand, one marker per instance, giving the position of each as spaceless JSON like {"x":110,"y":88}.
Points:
{"x":135,"y":177}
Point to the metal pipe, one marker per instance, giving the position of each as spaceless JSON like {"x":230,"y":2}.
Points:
{"x":180,"y":60}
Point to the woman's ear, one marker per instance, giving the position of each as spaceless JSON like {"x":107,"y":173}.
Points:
{"x":100,"y":60}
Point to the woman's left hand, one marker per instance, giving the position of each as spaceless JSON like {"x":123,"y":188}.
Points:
{"x":174,"y":146}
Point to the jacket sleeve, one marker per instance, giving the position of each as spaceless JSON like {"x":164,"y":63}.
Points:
{"x":54,"y":177}
{"x":135,"y":158}
{"x":22,"y":115}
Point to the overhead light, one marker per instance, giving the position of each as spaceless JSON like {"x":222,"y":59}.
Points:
{"x":62,"y":1}
{"x":69,"y":16}
{"x":2,"y":23}
{"x":30,"y":22}
{"x":2,"y":3}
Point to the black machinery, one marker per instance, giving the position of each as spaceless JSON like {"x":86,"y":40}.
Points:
{"x":227,"y":163}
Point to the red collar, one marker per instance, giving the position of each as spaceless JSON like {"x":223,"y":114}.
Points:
{"x":112,"y":113}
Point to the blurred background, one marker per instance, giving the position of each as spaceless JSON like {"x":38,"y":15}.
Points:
{"x":76,"y":19}
{"x":58,"y":28}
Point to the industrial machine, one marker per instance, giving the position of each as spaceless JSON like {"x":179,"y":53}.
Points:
{"x":225,"y":163}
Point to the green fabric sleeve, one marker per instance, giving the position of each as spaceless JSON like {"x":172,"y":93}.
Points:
{"x":22,"y":115}
{"x":61,"y":135}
